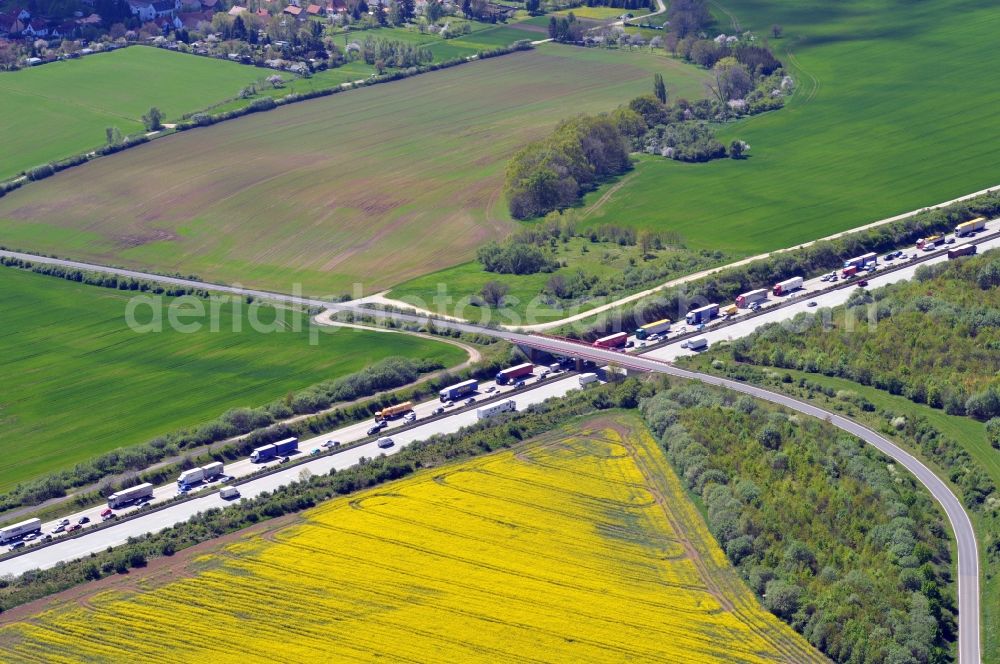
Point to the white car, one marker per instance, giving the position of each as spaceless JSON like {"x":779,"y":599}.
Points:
{"x":410,"y":417}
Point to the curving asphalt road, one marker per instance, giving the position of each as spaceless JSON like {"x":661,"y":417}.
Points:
{"x":968,"y":559}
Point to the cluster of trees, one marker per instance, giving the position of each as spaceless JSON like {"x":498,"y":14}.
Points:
{"x":684,"y":141}
{"x":758,"y":60}
{"x":535,"y":249}
{"x":934,"y":340}
{"x":688,"y":17}
{"x":746,"y":81}
{"x":623,"y":4}
{"x":566,"y":29}
{"x":393,"y":53}
{"x":813,"y":518}
{"x":815,"y":259}
{"x":514,"y":257}
{"x":486,"y":436}
{"x":553,"y":173}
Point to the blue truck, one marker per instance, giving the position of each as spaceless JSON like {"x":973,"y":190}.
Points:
{"x":460,"y":390}
{"x":274,"y":450}
{"x":702,"y":314}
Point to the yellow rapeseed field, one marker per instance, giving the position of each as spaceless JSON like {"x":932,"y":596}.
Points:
{"x":576,"y":547}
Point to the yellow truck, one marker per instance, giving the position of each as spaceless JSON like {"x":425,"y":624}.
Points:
{"x":394,"y":411}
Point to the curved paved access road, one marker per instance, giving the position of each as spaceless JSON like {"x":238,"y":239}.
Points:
{"x":968,"y":556}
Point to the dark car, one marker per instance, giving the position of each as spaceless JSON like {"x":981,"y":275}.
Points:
{"x":374,"y":430}
{"x":470,"y":401}
{"x":439,"y":410}
{"x":84,"y":519}
{"x":862,"y":283}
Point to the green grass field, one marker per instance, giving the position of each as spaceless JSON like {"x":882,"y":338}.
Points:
{"x":79,"y":382}
{"x":465,"y":281}
{"x":62,"y":108}
{"x":894,"y":107}
{"x":374,"y":186}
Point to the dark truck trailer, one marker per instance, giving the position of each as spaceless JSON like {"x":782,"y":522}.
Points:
{"x":507,"y":375}
{"x":280,"y":448}
{"x":967,"y":250}
{"x":702,"y":315}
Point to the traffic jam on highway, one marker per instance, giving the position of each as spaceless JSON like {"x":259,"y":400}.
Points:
{"x":654,"y":339}
{"x":463,"y":397}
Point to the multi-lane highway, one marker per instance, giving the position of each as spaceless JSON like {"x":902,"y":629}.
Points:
{"x":154,"y":521}
{"x":814,"y":291}
{"x":239,"y":469}
{"x":657,"y":360}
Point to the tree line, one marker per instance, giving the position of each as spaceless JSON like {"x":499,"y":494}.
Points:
{"x":393,"y":53}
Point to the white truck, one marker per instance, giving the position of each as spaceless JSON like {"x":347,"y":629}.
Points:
{"x":203,"y":474}
{"x":229,"y":493}
{"x":130,"y":495}
{"x":749,"y":298}
{"x":19,"y":530}
{"x":787,"y":286}
{"x":701,"y":343}
{"x":486,"y":412}
{"x":587,"y":378}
